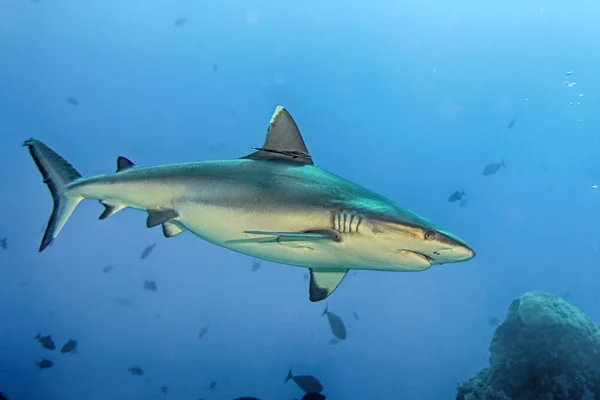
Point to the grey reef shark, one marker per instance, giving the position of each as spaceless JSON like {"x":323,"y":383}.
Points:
{"x":273,"y":204}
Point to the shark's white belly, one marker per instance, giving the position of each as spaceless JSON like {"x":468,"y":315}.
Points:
{"x":225,"y":227}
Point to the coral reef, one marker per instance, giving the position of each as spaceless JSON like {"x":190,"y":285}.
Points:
{"x":546,"y":349}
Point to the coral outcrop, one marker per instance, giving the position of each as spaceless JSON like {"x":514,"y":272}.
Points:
{"x":546,"y":349}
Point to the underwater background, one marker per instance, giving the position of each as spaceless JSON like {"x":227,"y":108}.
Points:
{"x":409,"y":99}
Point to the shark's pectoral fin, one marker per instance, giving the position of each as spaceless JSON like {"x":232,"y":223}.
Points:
{"x":283,"y":142}
{"x":171,"y":229}
{"x":157,"y":217}
{"x":282,"y":237}
{"x":324,"y":282}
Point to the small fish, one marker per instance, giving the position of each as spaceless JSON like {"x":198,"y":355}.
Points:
{"x":336,"y":324}
{"x":179,"y":21}
{"x":69,"y":347}
{"x":313,"y":396}
{"x":215,"y":67}
{"x":4,"y":243}
{"x":72,"y":101}
{"x":150,"y":285}
{"x":492,"y":168}
{"x":44,"y":364}
{"x":569,"y":73}
{"x":213,"y":384}
{"x":147,"y":251}
{"x":255,"y":266}
{"x":136,"y":371}
{"x":511,"y":124}
{"x":493,"y":321}
{"x":203,"y":332}
{"x":46,"y":342}
{"x":355,"y":315}
{"x":164,"y":389}
{"x":456,"y":196}
{"x":107,"y":268}
{"x":308,"y":383}
{"x":233,"y":113}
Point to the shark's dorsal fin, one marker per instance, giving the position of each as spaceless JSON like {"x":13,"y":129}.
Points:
{"x":283,"y":142}
{"x":324,"y":282}
{"x":124,"y":163}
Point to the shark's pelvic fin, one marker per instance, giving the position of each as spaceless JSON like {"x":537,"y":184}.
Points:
{"x":157,"y":217}
{"x":58,"y":174}
{"x":124,"y":163}
{"x":283,"y":142}
{"x":110,"y":209}
{"x":171,"y":229}
{"x":298,"y":236}
{"x":324,"y":282}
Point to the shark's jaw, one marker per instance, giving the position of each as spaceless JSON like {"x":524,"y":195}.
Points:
{"x":273,"y":204}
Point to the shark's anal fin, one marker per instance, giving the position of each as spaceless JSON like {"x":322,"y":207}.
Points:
{"x":157,"y":217}
{"x":283,"y":142}
{"x":171,"y":229}
{"x":324,"y":282}
{"x":109,"y":209}
{"x":319,"y":234}
{"x":124,"y":164}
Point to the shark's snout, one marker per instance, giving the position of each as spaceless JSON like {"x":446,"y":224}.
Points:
{"x":452,"y":249}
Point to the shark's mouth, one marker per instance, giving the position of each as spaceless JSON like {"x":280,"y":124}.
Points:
{"x":415,"y":259}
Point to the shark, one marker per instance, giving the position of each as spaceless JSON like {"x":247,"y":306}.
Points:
{"x":273,"y":204}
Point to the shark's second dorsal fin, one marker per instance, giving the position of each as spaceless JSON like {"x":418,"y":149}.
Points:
{"x":283,"y":142}
{"x":124,"y":163}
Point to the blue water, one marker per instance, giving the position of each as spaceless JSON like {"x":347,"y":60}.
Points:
{"x":411,"y":100}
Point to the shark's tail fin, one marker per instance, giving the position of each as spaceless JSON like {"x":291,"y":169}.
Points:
{"x":289,"y":376}
{"x":57,"y":174}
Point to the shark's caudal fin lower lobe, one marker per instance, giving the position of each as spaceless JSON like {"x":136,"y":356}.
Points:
{"x":57,"y":174}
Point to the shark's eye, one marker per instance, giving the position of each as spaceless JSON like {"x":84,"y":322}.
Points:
{"x":429,"y":235}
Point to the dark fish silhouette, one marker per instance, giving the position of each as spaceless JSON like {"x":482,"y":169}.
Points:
{"x":107,"y":268}
{"x":180,"y":21}
{"x":46,"y":342}
{"x":69,"y":347}
{"x":355,"y":315}
{"x":336,"y":324}
{"x":164,"y":389}
{"x":255,"y":266}
{"x":4,"y":243}
{"x":492,"y":168}
{"x":313,"y":396}
{"x":308,"y":383}
{"x":215,"y":67}
{"x":493,"y":321}
{"x":213,"y":384}
{"x":150,"y":285}
{"x":72,"y":101}
{"x":136,"y":371}
{"x":44,"y":364}
{"x":203,"y":332}
{"x":233,"y":113}
{"x":147,"y":251}
{"x":511,"y":124}
{"x":456,"y":196}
